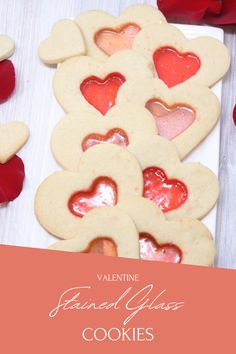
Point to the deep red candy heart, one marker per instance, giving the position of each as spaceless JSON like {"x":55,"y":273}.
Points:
{"x":101,"y":93}
{"x":12,"y":174}
{"x":115,"y":136}
{"x":151,"y":250}
{"x":168,"y":194}
{"x":7,"y":80}
{"x":102,"y":192}
{"x":173,"y":67}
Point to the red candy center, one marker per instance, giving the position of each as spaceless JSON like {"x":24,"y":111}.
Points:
{"x":151,"y":250}
{"x":111,"y":41}
{"x":102,"y":246}
{"x":170,"y":121}
{"x":102,"y":192}
{"x":173,"y":67}
{"x":115,"y":136}
{"x":101,"y":93}
{"x":7,"y":79}
{"x":168,"y":194}
{"x":12,"y":174}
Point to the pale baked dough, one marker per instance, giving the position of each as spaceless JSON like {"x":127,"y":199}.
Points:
{"x":104,"y":160}
{"x":7,"y":47}
{"x":201,"y":182}
{"x":103,"y":222}
{"x":214,"y":55}
{"x":69,"y":133}
{"x":74,"y":71}
{"x":91,"y":22}
{"x":12,"y":137}
{"x":65,"y":41}
{"x":200,"y":98}
{"x":190,"y":235}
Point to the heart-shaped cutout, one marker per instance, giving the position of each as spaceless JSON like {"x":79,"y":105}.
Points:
{"x":111,"y":40}
{"x":7,"y":80}
{"x":115,"y":136}
{"x":102,"y":192}
{"x":12,"y":137}
{"x":101,"y":93}
{"x":12,"y":174}
{"x":173,"y":67}
{"x":151,"y":250}
{"x":102,"y":246}
{"x":65,"y":41}
{"x":168,"y":194}
{"x":171,"y":121}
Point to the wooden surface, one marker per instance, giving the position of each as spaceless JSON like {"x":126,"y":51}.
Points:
{"x":28,"y":22}
{"x":226,"y":216}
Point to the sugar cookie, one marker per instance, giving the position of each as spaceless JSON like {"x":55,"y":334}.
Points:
{"x":184,"y":114}
{"x":109,"y":223}
{"x":12,"y":137}
{"x":83,"y":83}
{"x":106,"y":174}
{"x":204,"y":60}
{"x":179,"y":189}
{"x":183,"y":240}
{"x":122,"y":125}
{"x":7,"y":47}
{"x":105,"y":34}
{"x":65,"y":41}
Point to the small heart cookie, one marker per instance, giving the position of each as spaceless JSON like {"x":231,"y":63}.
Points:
{"x":83,"y":83}
{"x":106,"y":174}
{"x":103,"y":225}
{"x":12,"y":137}
{"x":183,"y":240}
{"x":122,"y":125}
{"x":179,"y":189}
{"x":105,"y":34}
{"x":204,"y":60}
{"x":7,"y":47}
{"x":65,"y":41}
{"x":185,"y":114}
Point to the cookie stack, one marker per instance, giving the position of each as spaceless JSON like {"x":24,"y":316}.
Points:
{"x":137,"y":97}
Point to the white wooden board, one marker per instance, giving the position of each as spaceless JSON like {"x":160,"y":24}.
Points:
{"x":28,"y":22}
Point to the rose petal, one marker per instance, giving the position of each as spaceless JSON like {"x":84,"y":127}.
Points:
{"x":189,"y":11}
{"x":216,"y":12}
{"x":234,"y":115}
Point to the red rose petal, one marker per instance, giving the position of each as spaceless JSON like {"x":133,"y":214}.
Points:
{"x":12,"y":174}
{"x":234,"y":114}
{"x":187,"y":11}
{"x":216,"y":12}
{"x":7,"y":80}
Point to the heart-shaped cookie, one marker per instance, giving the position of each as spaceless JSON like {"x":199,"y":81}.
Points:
{"x":103,"y":224}
{"x":7,"y":47}
{"x":82,"y":83}
{"x":65,"y":41}
{"x":179,"y":189}
{"x":185,"y":114}
{"x":12,"y":137}
{"x":183,"y":240}
{"x":105,"y":34}
{"x":106,"y":174}
{"x":122,"y":125}
{"x":204,"y":60}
